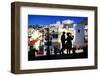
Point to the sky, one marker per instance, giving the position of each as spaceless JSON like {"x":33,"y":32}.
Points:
{"x":49,"y":19}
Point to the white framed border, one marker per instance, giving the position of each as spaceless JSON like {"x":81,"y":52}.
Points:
{"x":25,"y":64}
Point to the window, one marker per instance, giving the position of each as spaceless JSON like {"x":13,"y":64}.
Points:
{"x":78,"y":31}
{"x":55,"y":35}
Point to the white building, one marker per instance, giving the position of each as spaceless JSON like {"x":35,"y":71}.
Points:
{"x":78,"y":35}
{"x":76,"y":29}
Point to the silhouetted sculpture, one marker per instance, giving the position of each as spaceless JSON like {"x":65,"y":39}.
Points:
{"x":48,"y":43}
{"x":69,"y":42}
{"x":63,"y":43}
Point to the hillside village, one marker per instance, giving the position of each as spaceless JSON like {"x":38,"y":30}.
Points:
{"x":37,"y":37}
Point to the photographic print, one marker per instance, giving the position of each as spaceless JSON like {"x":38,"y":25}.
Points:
{"x":52,"y":37}
{"x":57,"y":37}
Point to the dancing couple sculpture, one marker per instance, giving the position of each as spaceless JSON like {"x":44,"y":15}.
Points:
{"x":66,"y":42}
